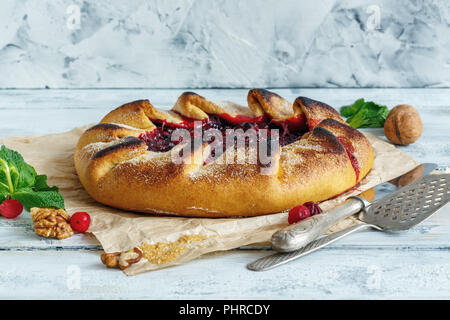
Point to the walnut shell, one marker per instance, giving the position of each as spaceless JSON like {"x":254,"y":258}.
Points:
{"x":111,"y":260}
{"x":403,"y":125}
{"x":121,"y":259}
{"x":53,"y":223}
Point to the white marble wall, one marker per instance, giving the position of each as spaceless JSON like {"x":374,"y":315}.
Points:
{"x":228,"y":43}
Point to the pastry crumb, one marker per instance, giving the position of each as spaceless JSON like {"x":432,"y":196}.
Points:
{"x":164,"y":252}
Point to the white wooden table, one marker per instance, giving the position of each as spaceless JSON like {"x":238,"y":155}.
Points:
{"x":368,"y":265}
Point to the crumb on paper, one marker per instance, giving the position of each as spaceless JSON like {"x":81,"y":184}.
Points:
{"x":164,"y":252}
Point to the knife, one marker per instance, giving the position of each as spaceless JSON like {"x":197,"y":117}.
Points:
{"x":298,"y":235}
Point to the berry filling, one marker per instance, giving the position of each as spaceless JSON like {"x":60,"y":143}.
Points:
{"x":351,"y":154}
{"x":160,"y":139}
{"x":297,"y":123}
{"x":313,"y":122}
{"x":290,"y":130}
{"x":236,"y":120}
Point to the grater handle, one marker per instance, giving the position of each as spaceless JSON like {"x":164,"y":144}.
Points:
{"x":298,"y":235}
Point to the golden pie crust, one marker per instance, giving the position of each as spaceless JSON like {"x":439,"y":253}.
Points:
{"x":116,"y":168}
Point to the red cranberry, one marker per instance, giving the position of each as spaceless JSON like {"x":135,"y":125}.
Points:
{"x":80,"y":221}
{"x":10,"y":209}
{"x":298,"y":213}
{"x":313,"y":207}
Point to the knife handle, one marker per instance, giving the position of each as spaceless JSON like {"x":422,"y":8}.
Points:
{"x":298,"y":235}
{"x":277,"y":259}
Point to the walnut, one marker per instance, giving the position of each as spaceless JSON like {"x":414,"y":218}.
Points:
{"x":49,"y":222}
{"x":128,"y":258}
{"x":121,"y":259}
{"x":111,"y":260}
{"x":403,"y":125}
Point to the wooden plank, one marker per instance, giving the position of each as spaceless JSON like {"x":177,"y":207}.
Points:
{"x":432,"y":234}
{"x":50,"y":111}
{"x":369,"y":265}
{"x":44,"y":111}
{"x":326,"y":274}
{"x":90,"y":98}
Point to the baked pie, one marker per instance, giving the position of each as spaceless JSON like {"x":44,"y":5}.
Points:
{"x":221,"y":159}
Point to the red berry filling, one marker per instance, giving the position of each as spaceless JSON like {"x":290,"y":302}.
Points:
{"x":236,"y":120}
{"x":313,"y":122}
{"x":297,"y":123}
{"x":351,"y":154}
{"x":160,"y":139}
{"x":304,"y":211}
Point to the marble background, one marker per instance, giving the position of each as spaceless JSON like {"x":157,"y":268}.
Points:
{"x":231,"y":43}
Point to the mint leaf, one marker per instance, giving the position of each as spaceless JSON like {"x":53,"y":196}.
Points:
{"x":348,"y":111}
{"x":30,"y":198}
{"x":19,"y":181}
{"x":357,"y":120}
{"x":27,"y":176}
{"x":41,"y":184}
{"x":4,"y":189}
{"x":9,"y":175}
{"x":365,"y":114}
{"x":16,"y":172}
{"x":3,"y":196}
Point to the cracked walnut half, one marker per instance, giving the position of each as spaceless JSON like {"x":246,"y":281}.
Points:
{"x":53,"y":223}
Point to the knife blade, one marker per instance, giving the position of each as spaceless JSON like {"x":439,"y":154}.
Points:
{"x":296,"y":236}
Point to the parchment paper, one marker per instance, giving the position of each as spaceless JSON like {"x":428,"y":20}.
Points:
{"x":118,"y":230}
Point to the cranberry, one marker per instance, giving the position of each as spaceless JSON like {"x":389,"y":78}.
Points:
{"x":298,"y":213}
{"x":313,"y":207}
{"x":80,"y":221}
{"x":11,"y":209}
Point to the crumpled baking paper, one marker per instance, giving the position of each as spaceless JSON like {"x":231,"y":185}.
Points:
{"x":117,"y":230}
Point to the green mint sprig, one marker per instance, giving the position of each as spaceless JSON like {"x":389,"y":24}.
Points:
{"x":365,"y":114}
{"x":19,"y":181}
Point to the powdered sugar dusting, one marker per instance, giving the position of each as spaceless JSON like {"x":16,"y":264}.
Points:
{"x":308,"y":146}
{"x":148,"y":156}
{"x":125,"y":126}
{"x":234,"y":109}
{"x":98,"y":146}
{"x":234,"y":162}
{"x":169,"y":116}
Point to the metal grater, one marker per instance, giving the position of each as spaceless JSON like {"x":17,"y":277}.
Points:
{"x":409,"y":205}
{"x":401,"y":210}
